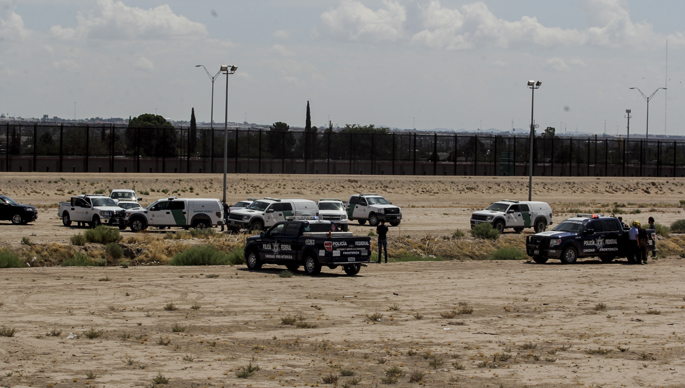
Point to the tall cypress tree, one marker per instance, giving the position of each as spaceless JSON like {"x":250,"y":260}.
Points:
{"x":192,"y":142}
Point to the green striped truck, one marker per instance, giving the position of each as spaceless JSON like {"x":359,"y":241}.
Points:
{"x":180,"y":212}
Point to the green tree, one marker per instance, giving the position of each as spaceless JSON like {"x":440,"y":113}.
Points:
{"x":280,"y":140}
{"x":192,"y":142}
{"x":157,"y":137}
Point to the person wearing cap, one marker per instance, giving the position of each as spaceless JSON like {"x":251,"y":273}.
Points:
{"x":652,"y":225}
{"x":633,"y":248}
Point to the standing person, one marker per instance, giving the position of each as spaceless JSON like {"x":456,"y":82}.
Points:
{"x":226,"y":211}
{"x":652,"y":225}
{"x":382,"y":231}
{"x":623,"y":224}
{"x":633,"y":249}
{"x":642,"y":242}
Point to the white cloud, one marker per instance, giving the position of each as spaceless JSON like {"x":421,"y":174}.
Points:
{"x":473,"y":26}
{"x":556,"y":64}
{"x":144,"y":64}
{"x":352,"y":20}
{"x":66,"y":65}
{"x":111,"y":21}
{"x":11,"y":24}
{"x":281,"y":50}
{"x":282,"y":34}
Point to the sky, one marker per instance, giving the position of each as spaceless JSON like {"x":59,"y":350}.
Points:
{"x":424,"y":64}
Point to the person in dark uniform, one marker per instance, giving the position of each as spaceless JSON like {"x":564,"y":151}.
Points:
{"x":382,"y":231}
{"x":226,"y":211}
{"x":652,"y":225}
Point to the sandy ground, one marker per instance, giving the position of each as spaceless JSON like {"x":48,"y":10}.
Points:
{"x":454,"y":323}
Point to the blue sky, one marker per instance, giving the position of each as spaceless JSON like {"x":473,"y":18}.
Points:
{"x":399,"y":63}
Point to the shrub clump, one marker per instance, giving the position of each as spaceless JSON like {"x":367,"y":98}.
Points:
{"x":678,"y":226}
{"x":78,"y":239}
{"x":662,"y":230}
{"x":508,"y":253}
{"x":202,"y":255}
{"x":102,"y":235}
{"x":79,"y":260}
{"x":114,"y":250}
{"x":9,"y":259}
{"x":485,"y":230}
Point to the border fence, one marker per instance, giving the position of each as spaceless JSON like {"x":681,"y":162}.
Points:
{"x":111,"y":148}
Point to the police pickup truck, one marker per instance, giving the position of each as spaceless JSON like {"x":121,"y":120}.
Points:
{"x":583,"y":236}
{"x":310,"y":243}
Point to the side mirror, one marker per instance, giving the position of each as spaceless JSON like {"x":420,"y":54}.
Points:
{"x":270,"y":210}
{"x":262,"y":234}
{"x":510,"y":211}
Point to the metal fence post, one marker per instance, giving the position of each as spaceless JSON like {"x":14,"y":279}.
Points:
{"x":414,"y":152}
{"x":259,"y":154}
{"x":35,"y":145}
{"x":87,"y":147}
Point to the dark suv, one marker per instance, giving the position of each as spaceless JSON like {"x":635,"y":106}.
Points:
{"x":18,"y":214}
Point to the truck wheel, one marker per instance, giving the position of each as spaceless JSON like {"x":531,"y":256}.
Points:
{"x":66,"y":221}
{"x":138,"y":225}
{"x":540,"y":259}
{"x":344,"y":227}
{"x":352,"y":269}
{"x":373,"y":219}
{"x":540,"y":225}
{"x":96,"y":222}
{"x":394,"y":223}
{"x":16,"y":219}
{"x":312,"y":266}
{"x":518,"y":230}
{"x":292,"y":267}
{"x":361,"y":222}
{"x":569,"y":255}
{"x":607,"y":259}
{"x":253,"y":262}
{"x":256,"y":225}
{"x":200,"y":224}
{"x":499,"y":225}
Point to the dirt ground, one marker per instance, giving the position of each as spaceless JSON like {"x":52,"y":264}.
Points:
{"x":440,"y":324}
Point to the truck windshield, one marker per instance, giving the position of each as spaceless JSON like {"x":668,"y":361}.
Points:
{"x":323,"y":227}
{"x":103,"y":202}
{"x":377,"y":201}
{"x":498,"y":207}
{"x":258,"y":205}
{"x":8,"y":200}
{"x":331,"y":206}
{"x":569,"y":226}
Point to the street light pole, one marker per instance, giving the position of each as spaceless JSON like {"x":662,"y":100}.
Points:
{"x":647,"y":99}
{"x":532,"y":84}
{"x":211,"y":120}
{"x":228,"y":69}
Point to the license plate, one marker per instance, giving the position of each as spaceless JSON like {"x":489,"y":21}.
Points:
{"x":351,"y":259}
{"x":536,"y":252}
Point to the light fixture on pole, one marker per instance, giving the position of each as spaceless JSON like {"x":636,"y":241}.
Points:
{"x":228,"y":69}
{"x":647,"y":99}
{"x":211,"y":118}
{"x":532,"y":84}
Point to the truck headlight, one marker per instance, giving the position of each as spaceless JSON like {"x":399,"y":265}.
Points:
{"x":554,"y":242}
{"x":246,"y":218}
{"x":343,"y":217}
{"x":489,"y":218}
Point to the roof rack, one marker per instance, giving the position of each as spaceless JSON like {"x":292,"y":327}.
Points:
{"x":171,"y":198}
{"x":252,"y":199}
{"x":272,"y":199}
{"x":329,"y":199}
{"x":363,"y":194}
{"x":509,"y":200}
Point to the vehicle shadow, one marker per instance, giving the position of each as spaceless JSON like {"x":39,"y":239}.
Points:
{"x":584,"y":262}
{"x":333,"y":273}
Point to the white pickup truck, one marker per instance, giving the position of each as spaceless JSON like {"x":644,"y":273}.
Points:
{"x":92,"y":210}
{"x":372,"y":208}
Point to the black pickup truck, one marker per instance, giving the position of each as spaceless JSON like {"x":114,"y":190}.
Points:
{"x":310,"y":243}
{"x":583,"y":236}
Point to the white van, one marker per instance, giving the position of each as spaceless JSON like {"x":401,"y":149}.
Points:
{"x":185,"y":212}
{"x":264,"y":213}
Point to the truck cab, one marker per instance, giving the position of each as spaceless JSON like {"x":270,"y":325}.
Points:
{"x":582,"y":236}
